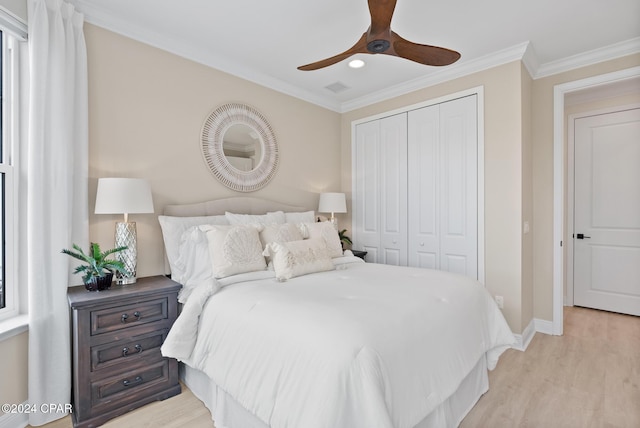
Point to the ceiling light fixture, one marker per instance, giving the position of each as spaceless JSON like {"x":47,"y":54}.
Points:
{"x":356,"y":63}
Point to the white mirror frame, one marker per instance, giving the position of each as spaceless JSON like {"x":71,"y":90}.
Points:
{"x":213,"y":130}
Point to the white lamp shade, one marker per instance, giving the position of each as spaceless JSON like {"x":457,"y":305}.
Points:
{"x":123,"y":196}
{"x":332,"y":203}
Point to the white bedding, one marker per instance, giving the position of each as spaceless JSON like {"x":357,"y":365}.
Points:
{"x":365,"y":345}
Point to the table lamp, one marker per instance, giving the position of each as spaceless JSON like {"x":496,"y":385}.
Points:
{"x":124,"y":196}
{"x":332,"y":203}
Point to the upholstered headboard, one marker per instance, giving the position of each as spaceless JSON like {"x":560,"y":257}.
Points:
{"x":238,"y":205}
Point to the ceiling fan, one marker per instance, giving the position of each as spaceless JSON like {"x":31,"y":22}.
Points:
{"x":379,"y":39}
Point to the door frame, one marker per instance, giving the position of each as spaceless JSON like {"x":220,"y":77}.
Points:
{"x":560,"y":167}
{"x":478,"y":91}
{"x":568,"y":300}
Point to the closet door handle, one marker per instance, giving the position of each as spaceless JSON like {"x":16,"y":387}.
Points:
{"x":581,"y":236}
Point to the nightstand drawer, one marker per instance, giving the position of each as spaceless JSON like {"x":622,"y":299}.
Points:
{"x":121,"y":317}
{"x":109,"y":392}
{"x":129,"y":351}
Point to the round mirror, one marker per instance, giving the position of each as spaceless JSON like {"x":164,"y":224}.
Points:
{"x":242,"y":147}
{"x":239,"y":147}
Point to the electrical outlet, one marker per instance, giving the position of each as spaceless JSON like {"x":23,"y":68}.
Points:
{"x":500,"y":301}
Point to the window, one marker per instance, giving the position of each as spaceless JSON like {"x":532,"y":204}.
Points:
{"x":8,"y":145}
{"x":3,"y":243}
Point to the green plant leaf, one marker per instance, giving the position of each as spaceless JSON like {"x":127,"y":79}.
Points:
{"x":96,"y":263}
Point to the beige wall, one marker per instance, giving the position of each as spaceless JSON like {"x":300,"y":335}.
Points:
{"x":146,"y":111}
{"x":13,"y":370}
{"x":542,"y":141}
{"x":503,"y":173}
{"x":527,"y":292}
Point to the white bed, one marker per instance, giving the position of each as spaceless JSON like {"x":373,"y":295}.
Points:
{"x":346,"y":345}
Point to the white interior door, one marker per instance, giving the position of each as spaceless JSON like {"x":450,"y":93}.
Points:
{"x":443,"y":187}
{"x":424,"y":187}
{"x":366,"y":207}
{"x":459,"y":187}
{"x":607,"y":212}
{"x":380,"y":208}
{"x":393,"y":189}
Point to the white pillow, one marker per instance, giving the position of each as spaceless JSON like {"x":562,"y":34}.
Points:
{"x":304,"y":217}
{"x":174,"y":227}
{"x":324,"y":230}
{"x":280,"y":233}
{"x":268,"y":218}
{"x":295,"y":258}
{"x":234,"y":249}
{"x":194,"y":262}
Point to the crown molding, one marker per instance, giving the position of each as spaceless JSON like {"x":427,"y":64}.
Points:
{"x":522,"y":52}
{"x":607,"y":53}
{"x":455,"y":71}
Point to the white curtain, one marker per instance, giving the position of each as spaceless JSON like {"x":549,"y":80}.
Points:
{"x":57,"y":196}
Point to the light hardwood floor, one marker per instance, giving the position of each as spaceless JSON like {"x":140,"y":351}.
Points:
{"x":588,"y":378}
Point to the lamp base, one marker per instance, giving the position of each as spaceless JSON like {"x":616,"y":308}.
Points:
{"x":334,"y":221}
{"x":126,"y":237}
{"x":126,"y":280}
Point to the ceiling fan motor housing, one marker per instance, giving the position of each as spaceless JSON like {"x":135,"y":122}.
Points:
{"x":378,"y":46}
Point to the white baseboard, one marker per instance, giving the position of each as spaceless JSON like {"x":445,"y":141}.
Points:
{"x":544,"y":326}
{"x":523,"y":340}
{"x":14,"y":420}
{"x":535,"y":326}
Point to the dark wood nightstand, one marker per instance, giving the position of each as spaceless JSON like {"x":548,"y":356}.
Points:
{"x":360,"y":254}
{"x":116,"y":336}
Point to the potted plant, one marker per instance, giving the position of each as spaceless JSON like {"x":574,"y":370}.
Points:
{"x":344,"y":239}
{"x":98,"y":270}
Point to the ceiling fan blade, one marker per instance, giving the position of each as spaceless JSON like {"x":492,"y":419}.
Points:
{"x":359,"y":47}
{"x":423,"y":54}
{"x":381,"y":12}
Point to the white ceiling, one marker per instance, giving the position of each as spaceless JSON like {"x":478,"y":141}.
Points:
{"x":265,"y":40}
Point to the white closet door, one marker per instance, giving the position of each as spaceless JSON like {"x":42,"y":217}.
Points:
{"x":442,"y":216}
{"x":459,"y":187}
{"x":366,"y":206}
{"x":393,"y":190}
{"x":423,"y":186}
{"x":380,"y":207}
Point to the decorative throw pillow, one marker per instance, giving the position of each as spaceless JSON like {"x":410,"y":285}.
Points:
{"x":295,"y":258}
{"x":234,"y":249}
{"x":268,"y":218}
{"x":324,"y":230}
{"x":280,"y":233}
{"x":174,"y":227}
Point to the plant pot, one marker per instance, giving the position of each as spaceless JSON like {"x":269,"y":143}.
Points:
{"x":98,"y":283}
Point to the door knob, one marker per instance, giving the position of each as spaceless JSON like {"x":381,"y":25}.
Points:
{"x":581,"y":236}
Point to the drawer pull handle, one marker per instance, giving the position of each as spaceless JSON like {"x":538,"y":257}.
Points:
{"x":125,"y":350}
{"x":125,"y":317}
{"x":127,"y":382}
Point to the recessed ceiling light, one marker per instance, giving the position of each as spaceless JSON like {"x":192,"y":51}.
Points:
{"x":356,"y":63}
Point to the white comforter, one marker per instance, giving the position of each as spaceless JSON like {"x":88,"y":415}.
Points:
{"x":366,"y":345}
